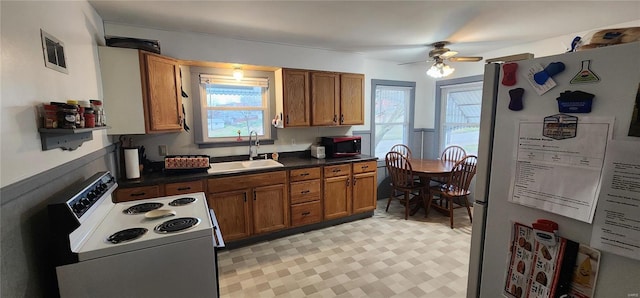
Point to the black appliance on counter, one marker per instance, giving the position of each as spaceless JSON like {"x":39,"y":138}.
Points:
{"x":342,"y":146}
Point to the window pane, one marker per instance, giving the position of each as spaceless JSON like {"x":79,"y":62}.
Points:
{"x":234,"y":96}
{"x":391,"y":117}
{"x":225,"y":123}
{"x":460,"y":125}
{"x":388,"y":135}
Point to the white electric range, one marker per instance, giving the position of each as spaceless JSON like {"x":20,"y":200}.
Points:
{"x":160,"y":247}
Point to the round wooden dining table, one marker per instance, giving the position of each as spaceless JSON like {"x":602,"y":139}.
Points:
{"x":427,"y":169}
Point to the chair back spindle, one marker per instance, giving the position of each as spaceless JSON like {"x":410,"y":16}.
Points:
{"x":453,"y":153}
{"x":402,"y":149}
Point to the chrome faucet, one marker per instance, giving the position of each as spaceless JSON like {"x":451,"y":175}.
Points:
{"x":253,"y":152}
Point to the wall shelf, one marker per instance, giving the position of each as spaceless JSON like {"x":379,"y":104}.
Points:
{"x":66,"y":138}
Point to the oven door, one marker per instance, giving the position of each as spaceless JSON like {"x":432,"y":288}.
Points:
{"x":218,"y":242}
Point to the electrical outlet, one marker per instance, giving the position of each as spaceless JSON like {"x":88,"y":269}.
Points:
{"x":293,"y":142}
{"x":162,"y":150}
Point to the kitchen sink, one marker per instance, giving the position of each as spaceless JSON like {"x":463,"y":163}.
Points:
{"x":242,"y":166}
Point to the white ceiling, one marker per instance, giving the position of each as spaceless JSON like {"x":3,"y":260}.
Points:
{"x":398,"y":31}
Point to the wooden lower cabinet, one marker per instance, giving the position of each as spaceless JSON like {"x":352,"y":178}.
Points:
{"x":232,"y":213}
{"x":337,"y":192}
{"x":270,"y":209}
{"x":365,"y":186}
{"x":306,"y":213}
{"x":179,"y":188}
{"x":138,"y":193}
{"x":249,"y":204}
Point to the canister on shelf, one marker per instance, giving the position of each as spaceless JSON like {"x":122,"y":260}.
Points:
{"x":89,"y":118}
{"x":49,"y":116}
{"x":67,"y":116}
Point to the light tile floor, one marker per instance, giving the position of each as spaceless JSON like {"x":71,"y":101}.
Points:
{"x":381,"y":256}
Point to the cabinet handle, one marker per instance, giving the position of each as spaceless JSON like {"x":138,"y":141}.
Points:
{"x":254,"y":195}
{"x":354,"y":180}
{"x":138,"y":194}
{"x":336,"y":170}
{"x":287,"y":119}
{"x":184,"y":188}
{"x":304,"y":174}
{"x":304,"y":191}
{"x":348,"y":182}
{"x":342,"y":118}
{"x":335,"y":118}
{"x":365,"y":167}
{"x":306,"y":213}
{"x":245,"y":197}
{"x":180,"y":120}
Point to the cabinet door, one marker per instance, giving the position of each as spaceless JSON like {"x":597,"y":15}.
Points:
{"x":325,"y":98}
{"x":232,"y":212}
{"x":351,"y":99}
{"x":163,"y":95}
{"x":270,"y":209}
{"x":296,"y":103}
{"x":337,"y":197}
{"x":364,"y":192}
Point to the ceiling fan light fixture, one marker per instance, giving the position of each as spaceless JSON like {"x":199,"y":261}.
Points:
{"x":439,"y":70}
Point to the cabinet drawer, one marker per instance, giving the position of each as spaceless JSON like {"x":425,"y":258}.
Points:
{"x":137,"y":193}
{"x":337,"y":170}
{"x":365,"y":166}
{"x":183,"y":187}
{"x":305,"y":191}
{"x":215,"y":185}
{"x":304,"y":174}
{"x":306,"y":213}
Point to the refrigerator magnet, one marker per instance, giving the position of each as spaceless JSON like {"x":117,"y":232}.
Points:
{"x":515,"y":104}
{"x":560,"y":126}
{"x":575,"y":102}
{"x":509,"y":73}
{"x":585,"y":75}
{"x":540,"y":88}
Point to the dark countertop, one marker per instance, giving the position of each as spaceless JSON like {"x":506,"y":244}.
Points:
{"x":147,"y":179}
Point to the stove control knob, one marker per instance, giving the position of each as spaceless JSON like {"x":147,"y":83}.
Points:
{"x":91,"y":195}
{"x":77,"y":207}
{"x":85,"y":202}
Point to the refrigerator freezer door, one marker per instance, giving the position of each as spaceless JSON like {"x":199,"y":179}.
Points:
{"x":477,"y":244}
{"x":487,"y":123}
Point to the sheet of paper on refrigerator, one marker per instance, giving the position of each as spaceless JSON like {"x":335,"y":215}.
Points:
{"x":616,"y":226}
{"x":560,"y":175}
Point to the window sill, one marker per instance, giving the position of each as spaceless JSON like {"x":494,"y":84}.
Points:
{"x":233,"y":144}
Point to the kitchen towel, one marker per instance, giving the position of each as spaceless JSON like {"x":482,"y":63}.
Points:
{"x":131,"y":163}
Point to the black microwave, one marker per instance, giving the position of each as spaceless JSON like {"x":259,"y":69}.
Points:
{"x":342,"y":146}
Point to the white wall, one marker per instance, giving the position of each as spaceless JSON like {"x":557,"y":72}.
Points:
{"x":26,"y":82}
{"x":203,"y":47}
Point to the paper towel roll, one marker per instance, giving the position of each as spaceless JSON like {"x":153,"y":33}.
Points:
{"x":131,"y":163}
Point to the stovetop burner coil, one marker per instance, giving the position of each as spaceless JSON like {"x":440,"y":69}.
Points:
{"x":142,"y":208}
{"x":182,"y":201}
{"x":177,"y":225}
{"x":127,"y":235}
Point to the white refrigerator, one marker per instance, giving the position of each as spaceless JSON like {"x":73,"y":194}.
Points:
{"x":618,"y":70}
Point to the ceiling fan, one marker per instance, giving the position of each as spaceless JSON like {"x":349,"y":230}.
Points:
{"x":438,"y":55}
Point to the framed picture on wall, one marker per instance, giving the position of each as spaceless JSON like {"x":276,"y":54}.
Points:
{"x":53,"y":50}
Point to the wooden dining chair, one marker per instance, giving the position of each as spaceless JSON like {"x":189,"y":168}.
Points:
{"x":456,"y":190}
{"x":451,"y":153}
{"x":402,"y":180}
{"x":402,"y":149}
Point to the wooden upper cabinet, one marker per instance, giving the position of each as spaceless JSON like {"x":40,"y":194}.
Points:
{"x":162,"y":93}
{"x":141,"y":91}
{"x":296,"y":104}
{"x":325,"y":98}
{"x":351,"y":99}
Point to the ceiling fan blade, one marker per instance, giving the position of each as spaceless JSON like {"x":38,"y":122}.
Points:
{"x":464,"y":59}
{"x":448,"y":54}
{"x":413,"y":62}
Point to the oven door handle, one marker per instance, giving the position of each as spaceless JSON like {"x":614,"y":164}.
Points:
{"x":217,"y":234}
